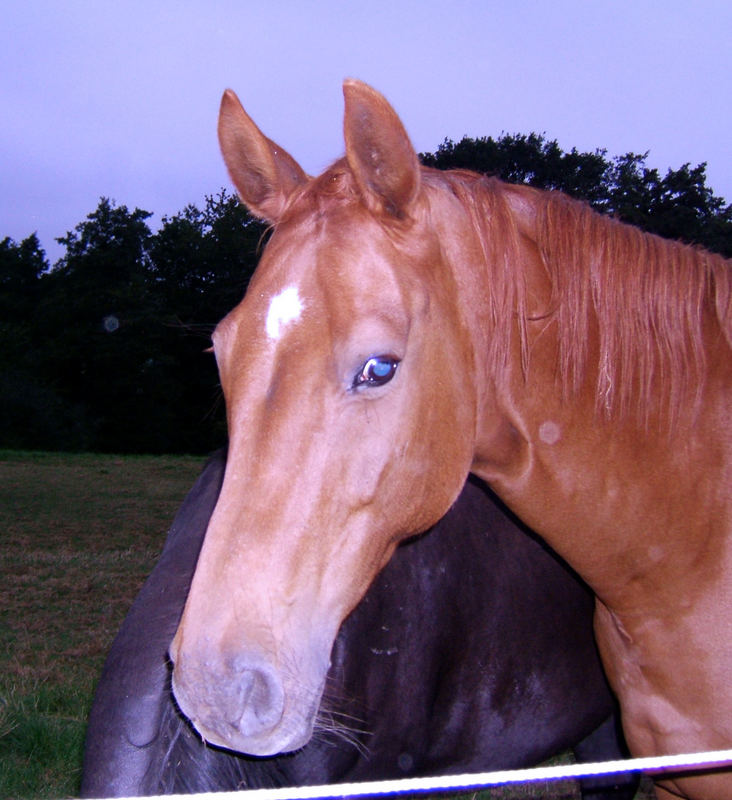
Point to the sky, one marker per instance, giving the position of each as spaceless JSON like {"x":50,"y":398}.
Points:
{"x":120,"y":99}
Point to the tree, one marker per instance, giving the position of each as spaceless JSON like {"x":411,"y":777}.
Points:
{"x":111,"y":342}
{"x":107,"y":349}
{"x":200,"y":263}
{"x":678,"y":206}
{"x":29,"y":409}
{"x":92,"y":321}
{"x":21,"y":265}
{"x":201,"y":260}
{"x":529,"y":159}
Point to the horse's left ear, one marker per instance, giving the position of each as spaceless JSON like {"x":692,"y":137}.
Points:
{"x":378,"y":151}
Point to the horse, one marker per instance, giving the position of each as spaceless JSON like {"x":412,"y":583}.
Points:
{"x":406,"y":327}
{"x":525,"y":685}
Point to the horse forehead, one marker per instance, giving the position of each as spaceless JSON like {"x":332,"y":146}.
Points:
{"x":334,"y":272}
{"x":330,"y":263}
{"x":329,"y":235}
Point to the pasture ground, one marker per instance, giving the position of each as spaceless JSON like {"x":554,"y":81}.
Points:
{"x":79,"y":535}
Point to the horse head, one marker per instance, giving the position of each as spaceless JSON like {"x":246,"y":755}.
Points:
{"x":352,"y":407}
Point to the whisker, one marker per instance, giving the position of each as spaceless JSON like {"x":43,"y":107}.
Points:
{"x":334,"y":726}
{"x":333,"y":723}
{"x":197,"y":328}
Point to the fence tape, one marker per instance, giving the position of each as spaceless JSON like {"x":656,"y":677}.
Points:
{"x":476,"y":781}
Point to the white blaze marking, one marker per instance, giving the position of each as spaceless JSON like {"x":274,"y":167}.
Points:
{"x":283,"y":308}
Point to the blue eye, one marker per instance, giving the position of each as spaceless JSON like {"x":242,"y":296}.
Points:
{"x":377,"y":371}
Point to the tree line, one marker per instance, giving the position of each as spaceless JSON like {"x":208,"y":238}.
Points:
{"x":105,"y":350}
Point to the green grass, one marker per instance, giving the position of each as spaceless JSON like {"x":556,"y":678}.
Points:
{"x":41,"y":740}
{"x":79,"y":535}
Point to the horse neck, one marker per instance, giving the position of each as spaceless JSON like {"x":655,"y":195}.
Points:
{"x":587,"y":477}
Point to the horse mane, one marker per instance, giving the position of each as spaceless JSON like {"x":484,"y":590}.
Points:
{"x":652,"y":299}
{"x":649,"y":300}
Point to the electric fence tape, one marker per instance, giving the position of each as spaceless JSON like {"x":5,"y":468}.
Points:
{"x":475,"y":781}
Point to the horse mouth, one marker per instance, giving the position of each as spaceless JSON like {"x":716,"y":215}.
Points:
{"x":281,"y":738}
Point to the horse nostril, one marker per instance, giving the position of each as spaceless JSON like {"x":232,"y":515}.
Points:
{"x":260,"y":700}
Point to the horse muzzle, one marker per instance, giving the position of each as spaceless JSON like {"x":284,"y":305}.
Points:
{"x":245,"y":703}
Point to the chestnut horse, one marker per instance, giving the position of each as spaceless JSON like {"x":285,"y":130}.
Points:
{"x":406,"y":327}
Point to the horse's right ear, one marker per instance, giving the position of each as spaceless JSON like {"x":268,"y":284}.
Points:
{"x":263,"y":173}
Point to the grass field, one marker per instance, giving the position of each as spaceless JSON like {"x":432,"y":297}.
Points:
{"x":79,"y":535}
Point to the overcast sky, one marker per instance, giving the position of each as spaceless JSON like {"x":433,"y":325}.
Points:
{"x":120,"y":98}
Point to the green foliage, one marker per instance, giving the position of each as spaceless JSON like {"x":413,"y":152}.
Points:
{"x":200,"y":264}
{"x":106,"y":350}
{"x":21,"y":265}
{"x":201,"y":261}
{"x":525,"y":159}
{"x":677,"y":206}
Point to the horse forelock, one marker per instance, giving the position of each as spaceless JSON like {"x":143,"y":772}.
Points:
{"x":333,"y":188}
{"x":336,"y":188}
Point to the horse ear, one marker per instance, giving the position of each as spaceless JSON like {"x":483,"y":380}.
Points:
{"x":378,"y":151}
{"x":263,"y":173}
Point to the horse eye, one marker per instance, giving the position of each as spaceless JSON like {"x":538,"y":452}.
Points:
{"x":377,"y":371}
